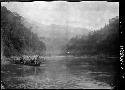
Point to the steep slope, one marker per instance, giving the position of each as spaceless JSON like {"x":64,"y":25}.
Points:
{"x":16,"y":38}
{"x":104,"y":41}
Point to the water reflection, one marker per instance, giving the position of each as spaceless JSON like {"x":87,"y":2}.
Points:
{"x":61,"y":72}
{"x":100,"y":70}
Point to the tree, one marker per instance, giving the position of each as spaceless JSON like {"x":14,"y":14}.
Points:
{"x":103,"y":41}
{"x":17,"y":39}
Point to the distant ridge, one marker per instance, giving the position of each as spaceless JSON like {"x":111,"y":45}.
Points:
{"x":55,"y":30}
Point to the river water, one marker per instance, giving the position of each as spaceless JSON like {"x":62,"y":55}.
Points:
{"x":61,"y":72}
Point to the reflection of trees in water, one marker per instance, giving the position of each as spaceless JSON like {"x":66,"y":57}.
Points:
{"x":93,"y":68}
{"x":20,"y":70}
{"x":63,"y":69}
{"x":93,"y":64}
{"x":13,"y":75}
{"x":77,"y":67}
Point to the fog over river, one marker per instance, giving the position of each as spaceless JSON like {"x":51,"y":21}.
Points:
{"x":62,"y":28}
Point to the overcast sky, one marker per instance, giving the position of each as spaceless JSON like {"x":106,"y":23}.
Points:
{"x":77,"y":14}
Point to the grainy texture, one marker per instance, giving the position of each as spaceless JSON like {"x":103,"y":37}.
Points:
{"x":60,"y":72}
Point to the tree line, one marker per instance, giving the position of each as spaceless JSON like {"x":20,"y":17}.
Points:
{"x":104,"y":41}
{"x":16,"y":39}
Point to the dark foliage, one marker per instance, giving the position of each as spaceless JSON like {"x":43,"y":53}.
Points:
{"x":16,"y":39}
{"x":104,"y":41}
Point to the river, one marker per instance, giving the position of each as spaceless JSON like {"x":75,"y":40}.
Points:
{"x":61,"y":72}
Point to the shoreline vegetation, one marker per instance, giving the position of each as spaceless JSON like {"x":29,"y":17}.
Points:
{"x":102,"y":46}
{"x":98,"y":43}
{"x":16,"y":38}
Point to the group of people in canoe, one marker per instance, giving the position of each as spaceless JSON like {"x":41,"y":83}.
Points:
{"x":28,"y":60}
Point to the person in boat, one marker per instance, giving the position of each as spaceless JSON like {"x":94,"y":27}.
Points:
{"x":21,"y":59}
{"x":13,"y":59}
{"x":36,"y":60}
{"x":31,"y":60}
{"x":28,"y":59}
{"x":25,"y":60}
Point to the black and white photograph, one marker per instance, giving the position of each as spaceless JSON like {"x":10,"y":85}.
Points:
{"x":59,"y":45}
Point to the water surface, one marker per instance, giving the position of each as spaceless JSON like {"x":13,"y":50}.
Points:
{"x":62,"y":72}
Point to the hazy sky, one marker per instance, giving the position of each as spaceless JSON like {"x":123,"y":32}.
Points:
{"x":87,"y":14}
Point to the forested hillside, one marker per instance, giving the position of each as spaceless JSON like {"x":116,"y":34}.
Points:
{"x":16,"y":39}
{"x":99,"y":42}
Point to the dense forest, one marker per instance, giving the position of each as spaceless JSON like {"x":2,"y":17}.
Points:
{"x":16,"y":39}
{"x":104,"y":41}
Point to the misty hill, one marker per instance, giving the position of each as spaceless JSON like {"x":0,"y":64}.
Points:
{"x":16,"y":39}
{"x":55,"y":36}
{"x":104,"y":41}
{"x":54,"y":30}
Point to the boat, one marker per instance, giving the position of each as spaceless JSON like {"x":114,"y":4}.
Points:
{"x":31,"y":61}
